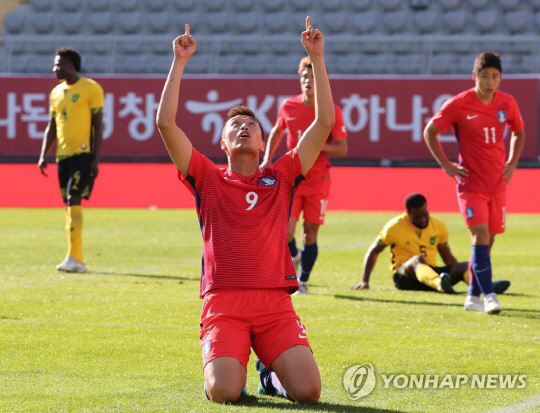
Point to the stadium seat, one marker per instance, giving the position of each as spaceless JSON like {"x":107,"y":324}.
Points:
{"x":535,"y":4}
{"x":286,"y":64}
{"x":443,"y":64}
{"x":335,"y":22}
{"x":40,"y":64}
{"x":159,"y":64}
{"x":449,"y":4}
{"x":96,"y":64}
{"x":256,"y":64}
{"x":99,"y":22}
{"x":357,"y":5}
{"x":131,"y":64}
{"x":509,"y":4}
{"x":517,"y":22}
{"x":69,"y":5}
{"x":227,"y":64}
{"x":155,"y":5}
{"x":128,"y":22}
{"x":328,"y":5}
{"x":410,"y":64}
{"x":41,"y":5}
{"x":214,"y":23}
{"x":389,"y":5}
{"x":211,"y":5}
{"x":14,"y":22}
{"x":18,"y":64}
{"x":300,"y":5}
{"x":425,"y":21}
{"x":177,"y":23}
{"x":128,"y":47}
{"x":455,"y":21}
{"x":486,"y":21}
{"x":158,"y":22}
{"x":478,"y":4}
{"x":395,"y":21}
{"x":69,"y":23}
{"x":377,"y":64}
{"x":124,"y":5}
{"x":198,"y":64}
{"x":347,"y":64}
{"x":42,"y":22}
{"x":98,"y":5}
{"x":244,"y":23}
{"x":364,"y":22}
{"x":242,"y":5}
{"x":275,"y":22}
{"x":296,"y":22}
{"x":465,"y":63}
{"x":271,"y":5}
{"x":183,"y":5}
{"x":529,"y":64}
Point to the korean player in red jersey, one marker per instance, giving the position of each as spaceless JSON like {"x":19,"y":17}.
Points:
{"x":247,"y":274}
{"x":478,"y":117}
{"x":295,"y":115}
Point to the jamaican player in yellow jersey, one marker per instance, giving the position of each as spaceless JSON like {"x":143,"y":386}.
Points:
{"x":415,"y":238}
{"x":75,"y":125}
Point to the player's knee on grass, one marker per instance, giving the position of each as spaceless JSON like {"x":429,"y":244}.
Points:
{"x":306,"y":392}
{"x":222,"y":391}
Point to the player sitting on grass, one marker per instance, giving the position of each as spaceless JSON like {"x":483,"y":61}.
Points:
{"x":243,"y":214}
{"x":415,"y":238}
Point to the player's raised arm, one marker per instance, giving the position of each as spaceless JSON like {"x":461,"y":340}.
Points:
{"x":274,"y":139}
{"x":175,"y":139}
{"x":312,"y":142}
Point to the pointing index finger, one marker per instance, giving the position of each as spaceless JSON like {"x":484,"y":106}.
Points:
{"x":187,"y":29}
{"x":308,"y":22}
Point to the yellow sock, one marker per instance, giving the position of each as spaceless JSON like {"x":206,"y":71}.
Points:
{"x":74,"y":226}
{"x":426,"y":275}
{"x":466,"y":278}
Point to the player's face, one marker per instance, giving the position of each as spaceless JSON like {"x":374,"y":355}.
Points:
{"x":419,"y":216}
{"x":306,"y":81}
{"x":487,"y":81}
{"x":242,"y":134}
{"x":62,"y":67}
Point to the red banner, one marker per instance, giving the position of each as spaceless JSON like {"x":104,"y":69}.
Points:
{"x":385,"y":117}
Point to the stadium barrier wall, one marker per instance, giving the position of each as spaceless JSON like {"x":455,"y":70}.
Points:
{"x":155,"y":185}
{"x":385,"y":116}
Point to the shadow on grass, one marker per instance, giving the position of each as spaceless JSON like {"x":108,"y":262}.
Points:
{"x":151,"y":276}
{"x":283,"y":405}
{"x":506,"y":312}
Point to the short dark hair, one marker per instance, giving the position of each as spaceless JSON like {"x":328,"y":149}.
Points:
{"x":415,"y":200}
{"x":487,"y":59}
{"x":72,"y":55}
{"x":305,"y":62}
{"x":245,"y":111}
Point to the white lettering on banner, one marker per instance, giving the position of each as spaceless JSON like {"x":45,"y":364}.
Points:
{"x":212,"y":119}
{"x":33,"y":114}
{"x":416,"y":126}
{"x":10,"y":122}
{"x":260,"y":111}
{"x":146,"y":118}
{"x":437,"y":103}
{"x":108,"y":116}
{"x":356,"y":104}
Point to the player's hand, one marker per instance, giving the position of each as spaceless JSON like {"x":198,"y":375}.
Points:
{"x":94,"y":169}
{"x":362,"y":285}
{"x":184,"y":46}
{"x":455,"y":170}
{"x":508,"y":172}
{"x":42,"y":164}
{"x":312,"y":39}
{"x":264,"y":165}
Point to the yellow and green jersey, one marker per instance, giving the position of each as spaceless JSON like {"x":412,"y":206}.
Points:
{"x":72,"y":107}
{"x":406,"y":240}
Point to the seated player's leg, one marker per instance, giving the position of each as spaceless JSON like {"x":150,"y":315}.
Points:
{"x":225,"y":344}
{"x":225,"y":379}
{"x":417,"y":268}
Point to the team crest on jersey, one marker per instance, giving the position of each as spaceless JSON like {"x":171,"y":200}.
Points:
{"x":501,"y":116}
{"x":74,"y":98}
{"x":432,"y":240}
{"x":267,"y":181}
{"x":469,"y":212}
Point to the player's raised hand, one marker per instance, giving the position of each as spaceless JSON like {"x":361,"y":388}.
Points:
{"x":312,"y":39}
{"x":184,"y":46}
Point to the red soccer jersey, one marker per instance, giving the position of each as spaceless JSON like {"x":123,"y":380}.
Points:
{"x":244,"y":223}
{"x":296,"y":118}
{"x":479,"y":130}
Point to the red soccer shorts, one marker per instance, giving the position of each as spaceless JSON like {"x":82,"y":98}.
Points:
{"x":311,"y":196}
{"x":483,"y":207}
{"x":233,"y":320}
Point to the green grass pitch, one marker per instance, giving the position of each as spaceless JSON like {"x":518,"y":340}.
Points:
{"x":124,"y":336}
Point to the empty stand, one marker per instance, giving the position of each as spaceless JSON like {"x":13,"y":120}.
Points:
{"x":486,"y":21}
{"x":69,"y":5}
{"x":70,"y":23}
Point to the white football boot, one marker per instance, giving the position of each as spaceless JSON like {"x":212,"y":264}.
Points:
{"x":70,"y":264}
